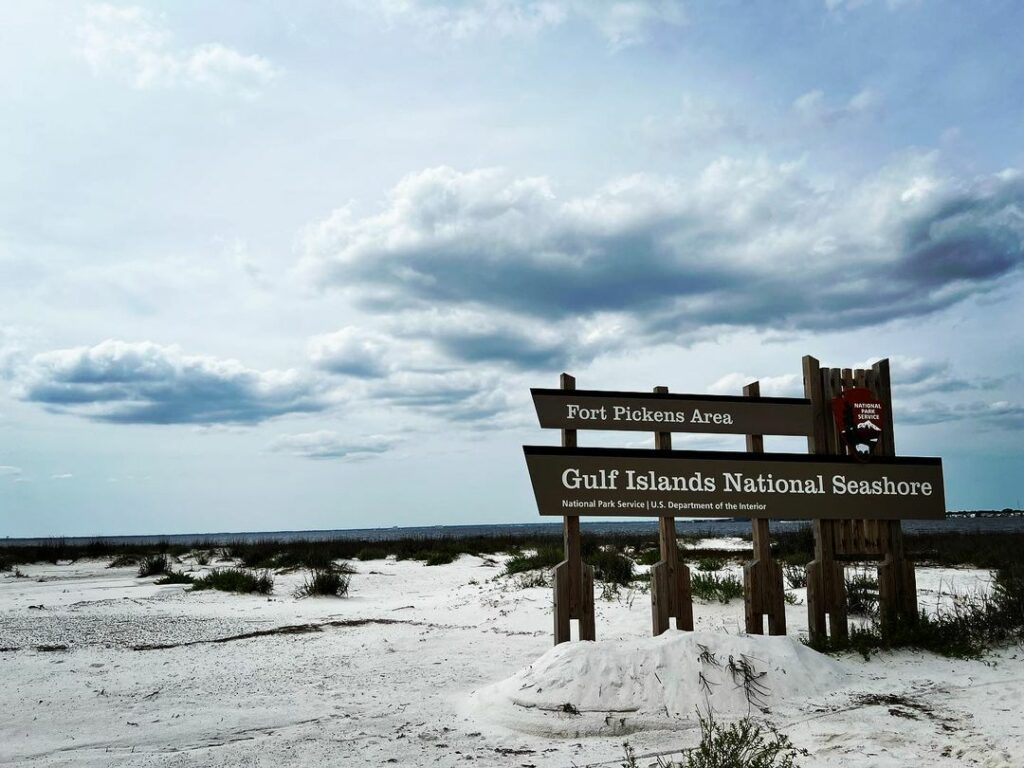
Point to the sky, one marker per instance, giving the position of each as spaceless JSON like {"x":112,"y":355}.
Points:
{"x":294,"y":266}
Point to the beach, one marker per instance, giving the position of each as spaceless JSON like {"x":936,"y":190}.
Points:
{"x":431,"y":665}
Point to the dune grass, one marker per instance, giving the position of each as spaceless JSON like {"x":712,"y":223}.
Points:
{"x":972,"y":626}
{"x":239,"y":580}
{"x":324,"y":583}
{"x":154,"y":565}
{"x":176,"y":577}
{"x":710,"y":586}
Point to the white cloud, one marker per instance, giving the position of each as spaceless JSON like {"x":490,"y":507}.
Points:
{"x":327,"y":444}
{"x":62,"y":476}
{"x":787,"y":385}
{"x":353,"y":351}
{"x":622,"y":23}
{"x":10,"y":473}
{"x":697,"y":122}
{"x":134,"y":44}
{"x":812,"y":106}
{"x":12,"y":350}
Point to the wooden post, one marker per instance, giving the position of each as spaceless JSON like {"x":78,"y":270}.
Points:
{"x":826,"y":588}
{"x":762,"y":577}
{"x":573,"y":581}
{"x":897,"y":580}
{"x":670,"y":579}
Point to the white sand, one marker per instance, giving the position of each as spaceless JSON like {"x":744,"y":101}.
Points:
{"x":454,"y":667}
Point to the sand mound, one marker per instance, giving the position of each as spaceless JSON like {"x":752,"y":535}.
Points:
{"x":612,"y":687}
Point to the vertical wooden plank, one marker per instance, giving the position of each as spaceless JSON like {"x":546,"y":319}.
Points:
{"x":673,"y":577}
{"x":568,"y":574}
{"x":667,"y":545}
{"x":660,"y":588}
{"x":561,"y":602}
{"x":884,"y":393}
{"x":812,"y":391}
{"x":587,"y":623}
{"x":754,"y":572}
{"x":896,"y":573}
{"x":817,"y":442}
{"x":827,"y":607}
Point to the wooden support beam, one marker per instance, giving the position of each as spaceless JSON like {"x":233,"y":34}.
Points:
{"x":670,"y":577}
{"x":826,"y":588}
{"x":573,"y":581}
{"x":763,"y":594}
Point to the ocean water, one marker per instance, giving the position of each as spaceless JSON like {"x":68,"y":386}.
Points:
{"x":962,"y":523}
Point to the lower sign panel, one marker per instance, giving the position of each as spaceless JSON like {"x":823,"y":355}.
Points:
{"x":781,"y":486}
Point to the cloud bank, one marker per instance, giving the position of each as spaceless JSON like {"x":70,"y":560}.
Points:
{"x":742,"y":245}
{"x":145,"y":383}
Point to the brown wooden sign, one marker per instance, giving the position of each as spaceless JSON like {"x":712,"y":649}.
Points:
{"x":782,"y":486}
{"x":664,"y":412}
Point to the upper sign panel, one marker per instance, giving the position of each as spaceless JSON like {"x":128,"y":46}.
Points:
{"x":655,"y":412}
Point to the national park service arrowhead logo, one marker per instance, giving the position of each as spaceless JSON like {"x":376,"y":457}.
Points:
{"x":858,"y":415}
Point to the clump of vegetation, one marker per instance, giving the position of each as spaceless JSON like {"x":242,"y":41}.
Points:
{"x":795,"y":575}
{"x":973,"y":625}
{"x":648,"y":556}
{"x":612,"y":567}
{"x":794,"y":546}
{"x":862,"y":594}
{"x":153,"y":565}
{"x":742,"y":744}
{"x":5,"y":564}
{"x":709,"y":564}
{"x":175,"y":577}
{"x":236,"y":580}
{"x":438,"y":558}
{"x":371,"y":553}
{"x":124,"y":561}
{"x":709,"y":586}
{"x":534,"y":579}
{"x":325,"y":583}
{"x":544,"y":557}
{"x":203,"y":558}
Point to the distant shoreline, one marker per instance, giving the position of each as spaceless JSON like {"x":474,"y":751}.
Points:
{"x":979,"y":521}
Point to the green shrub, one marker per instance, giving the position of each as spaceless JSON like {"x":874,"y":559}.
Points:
{"x":648,"y":556}
{"x":544,"y":557}
{"x":202,"y":558}
{"x":861,"y":594}
{"x":5,"y":564}
{"x":611,"y":567}
{"x":153,"y":566}
{"x":970,"y":627}
{"x":712,"y":587}
{"x":371,"y":553}
{"x":528,"y":580}
{"x":438,"y":558}
{"x":794,"y":546}
{"x":124,"y":561}
{"x":742,"y":744}
{"x":175,"y":577}
{"x":710,"y":564}
{"x":326,"y":583}
{"x":236,"y":580}
{"x":796,"y":576}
